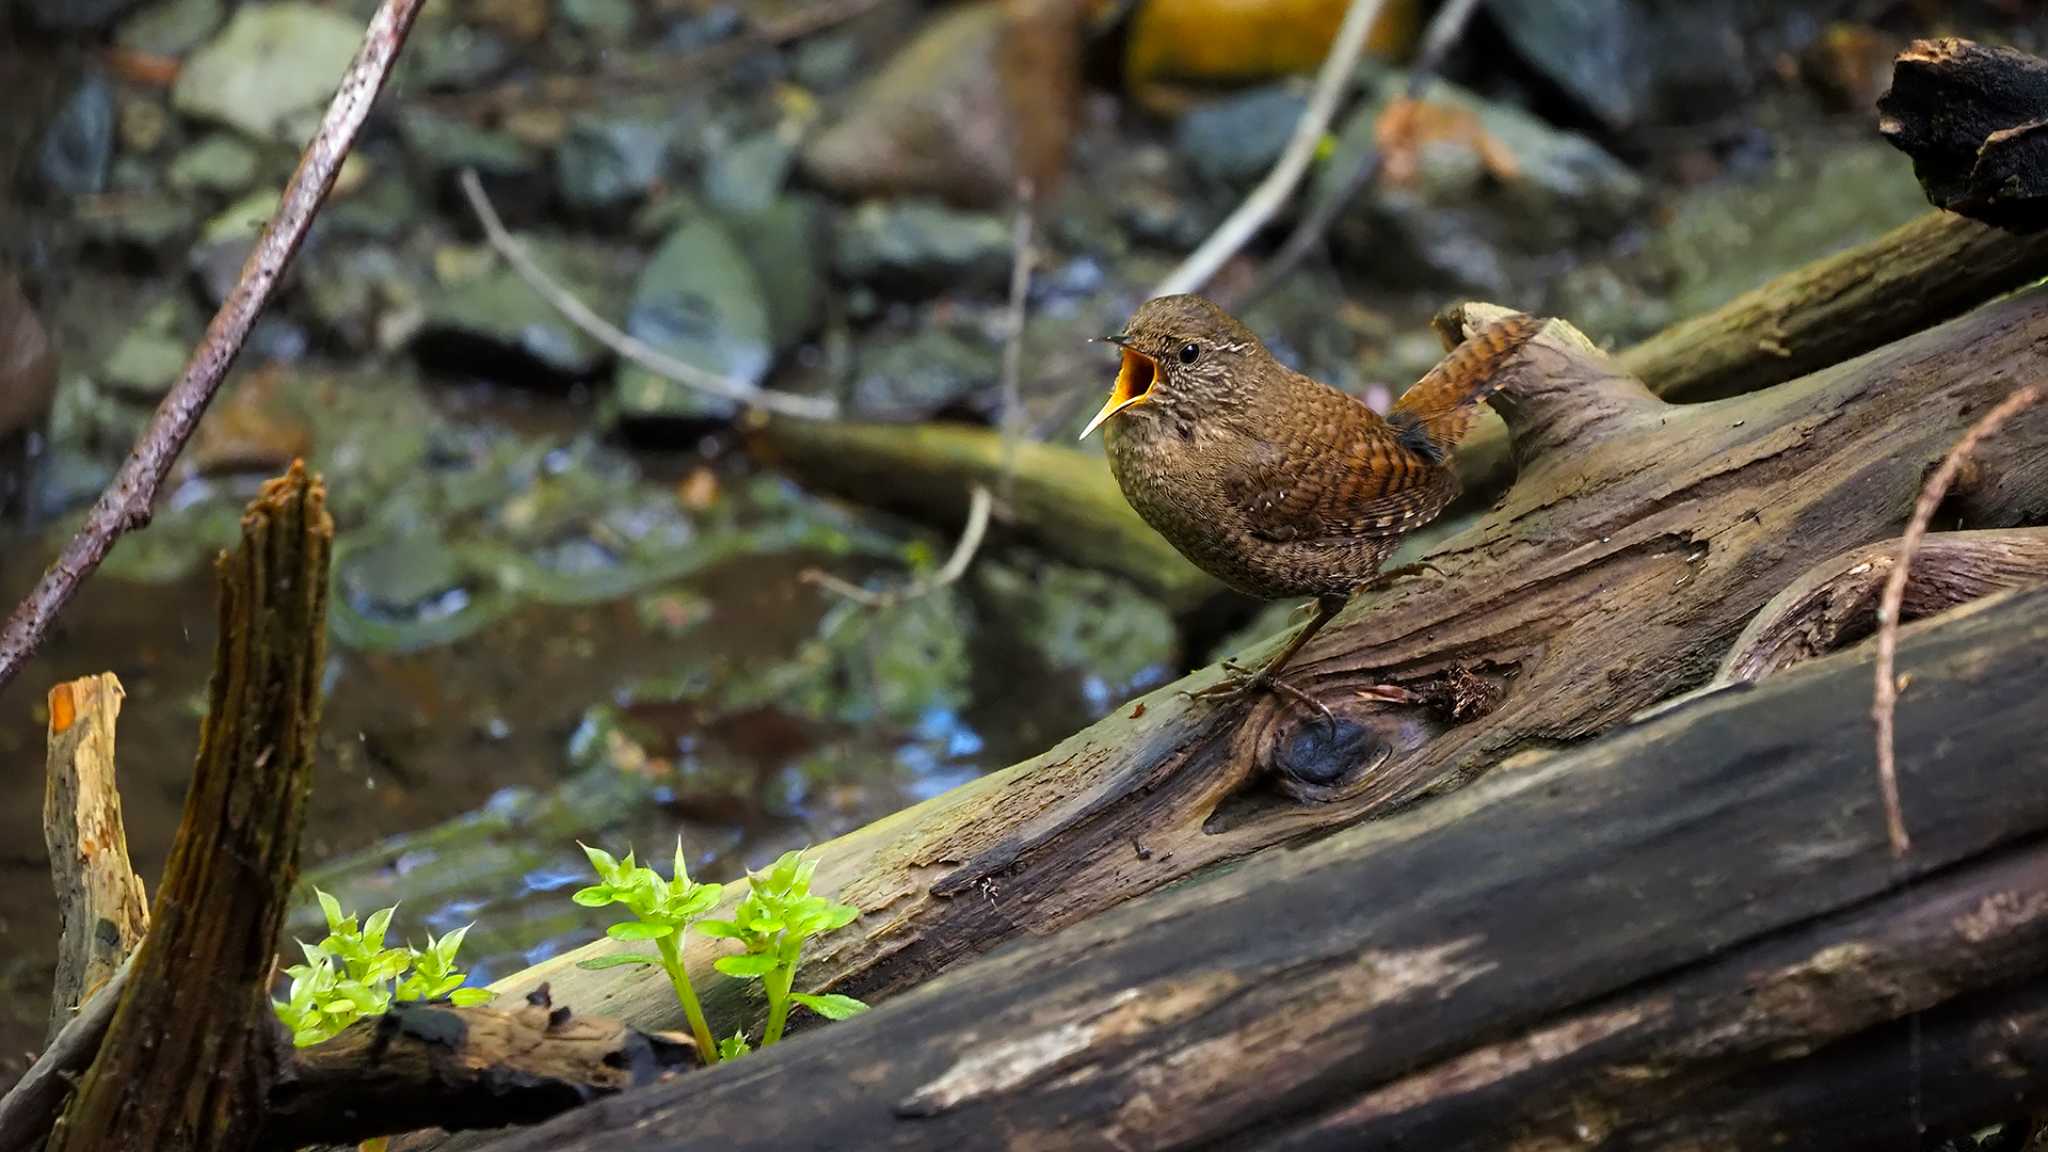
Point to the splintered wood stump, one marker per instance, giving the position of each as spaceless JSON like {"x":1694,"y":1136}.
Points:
{"x":1974,"y":119}
{"x":1690,"y":934}
{"x":1637,"y":542}
{"x":187,"y":1059}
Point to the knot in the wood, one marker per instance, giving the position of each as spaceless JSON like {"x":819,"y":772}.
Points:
{"x":1560,"y":394}
{"x":1314,"y":760}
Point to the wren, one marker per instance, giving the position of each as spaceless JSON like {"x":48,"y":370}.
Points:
{"x":1274,"y":483}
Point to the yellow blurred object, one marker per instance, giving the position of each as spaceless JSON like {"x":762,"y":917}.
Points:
{"x":1247,"y":40}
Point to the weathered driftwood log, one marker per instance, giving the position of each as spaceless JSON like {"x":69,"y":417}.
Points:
{"x":101,"y":910}
{"x":1687,"y":934}
{"x":1975,"y":121}
{"x":1918,"y":275}
{"x":186,"y":1062}
{"x":1834,"y":605}
{"x":435,"y":1066}
{"x":1637,"y":542}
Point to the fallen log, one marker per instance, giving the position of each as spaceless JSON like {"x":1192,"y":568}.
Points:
{"x":1742,"y":947}
{"x":1974,"y":118}
{"x":1638,"y":541}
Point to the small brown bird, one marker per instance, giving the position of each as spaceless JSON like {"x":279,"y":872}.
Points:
{"x":1274,"y":483}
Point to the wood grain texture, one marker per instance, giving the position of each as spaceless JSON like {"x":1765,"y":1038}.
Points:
{"x":101,"y":910}
{"x":1691,"y":933}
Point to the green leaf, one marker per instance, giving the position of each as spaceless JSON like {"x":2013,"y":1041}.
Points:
{"x":314,"y":956}
{"x":620,"y":960}
{"x":640,"y":930}
{"x":699,"y":901}
{"x":471,"y":997}
{"x":838,"y":916}
{"x":831,"y":1007}
{"x":746,"y":967}
{"x":595,"y":896}
{"x":734,"y":1046}
{"x":444,"y":949}
{"x":681,"y":882}
{"x":606,"y":865}
{"x":331,"y":908}
{"x":722,"y":929}
{"x":373,"y":928}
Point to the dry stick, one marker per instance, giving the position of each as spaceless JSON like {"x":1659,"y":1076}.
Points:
{"x":1886,"y":697}
{"x":1272,"y":193}
{"x":30,"y":1108}
{"x":618,"y":340}
{"x":126,"y":503}
{"x":981,"y":501}
{"x":1444,"y":29}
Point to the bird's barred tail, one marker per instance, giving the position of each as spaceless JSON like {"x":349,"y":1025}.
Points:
{"x":1436,"y":413}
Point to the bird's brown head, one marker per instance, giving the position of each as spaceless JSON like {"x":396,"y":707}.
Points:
{"x":1182,"y":356}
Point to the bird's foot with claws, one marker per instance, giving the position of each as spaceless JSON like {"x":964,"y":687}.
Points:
{"x":1240,"y":682}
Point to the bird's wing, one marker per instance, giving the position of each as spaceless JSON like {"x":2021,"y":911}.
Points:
{"x":1343,"y":473}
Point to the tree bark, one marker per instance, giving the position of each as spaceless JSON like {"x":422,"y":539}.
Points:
{"x":101,"y":910}
{"x":1975,"y":121}
{"x":186,"y":1062}
{"x":1744,"y":963}
{"x":1638,"y":541}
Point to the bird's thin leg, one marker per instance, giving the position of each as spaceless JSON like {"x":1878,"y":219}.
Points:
{"x":1403,"y":572}
{"x":1239,"y":681}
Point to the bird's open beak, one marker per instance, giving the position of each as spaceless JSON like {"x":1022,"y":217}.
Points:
{"x":1134,"y":380}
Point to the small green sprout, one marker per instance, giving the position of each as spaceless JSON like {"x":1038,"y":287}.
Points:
{"x":350,"y":974}
{"x":771,"y":923}
{"x":662,"y":910}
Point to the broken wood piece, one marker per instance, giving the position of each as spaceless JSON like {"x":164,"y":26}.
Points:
{"x":101,"y":910}
{"x":1974,"y":118}
{"x":1747,"y":964}
{"x":188,"y":1058}
{"x":432,"y":1065}
{"x":30,"y":1109}
{"x":1615,"y":573}
{"x":1834,"y":604}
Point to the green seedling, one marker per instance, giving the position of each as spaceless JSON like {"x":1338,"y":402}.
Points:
{"x":771,"y":923}
{"x":350,"y":974}
{"x":662,"y":912}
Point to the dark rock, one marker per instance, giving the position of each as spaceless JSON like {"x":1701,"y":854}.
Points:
{"x":785,"y":246}
{"x":495,"y":325}
{"x":148,"y":358}
{"x":923,"y":247}
{"x":216,"y":259}
{"x":826,"y":63}
{"x":219,"y":163}
{"x":512,"y":175}
{"x":699,"y":301}
{"x":606,"y":22}
{"x":1235,"y":140}
{"x":79,"y":146}
{"x":1593,"y":50}
{"x":271,"y":71}
{"x":449,"y":56}
{"x":75,"y":15}
{"x":747,"y":175}
{"x":603,"y":165}
{"x":917,"y":376}
{"x":139,"y":225}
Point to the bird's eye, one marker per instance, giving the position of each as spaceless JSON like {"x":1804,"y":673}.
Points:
{"x":1189,"y":352}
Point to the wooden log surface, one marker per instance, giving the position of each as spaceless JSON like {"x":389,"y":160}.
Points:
{"x":187,"y":1059}
{"x":101,"y":910}
{"x":1974,"y":118}
{"x":1639,"y":540}
{"x":1687,"y":934}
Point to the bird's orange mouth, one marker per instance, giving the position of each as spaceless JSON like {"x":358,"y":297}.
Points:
{"x":1134,"y":380}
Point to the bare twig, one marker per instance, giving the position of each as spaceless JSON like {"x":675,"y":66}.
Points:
{"x":1010,"y":419}
{"x":1444,"y":29}
{"x":1886,"y":699}
{"x":30,"y":1108}
{"x":617,"y":339}
{"x":1272,"y":193}
{"x":980,"y":504}
{"x":126,"y":503}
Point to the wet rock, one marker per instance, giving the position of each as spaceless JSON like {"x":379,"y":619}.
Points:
{"x":352,"y":290}
{"x":492,"y":324}
{"x":923,"y":374}
{"x":144,"y":225}
{"x":406,"y":589}
{"x":148,"y":358}
{"x":1593,"y":50}
{"x":1482,"y":187}
{"x":443,"y":55}
{"x":170,"y":27}
{"x":826,"y":63}
{"x":1084,"y":623}
{"x":747,"y":175}
{"x":784,"y":243}
{"x":940,"y":119}
{"x":223,"y":247}
{"x":1144,"y":190}
{"x":604,"y":165}
{"x":1236,"y":139}
{"x":219,"y":163}
{"x":607,"y":22}
{"x":382,"y":209}
{"x":699,"y":301}
{"x":273,"y":66}
{"x":145,"y":122}
{"x":78,"y":148}
{"x":441,"y":147}
{"x":920,"y":247}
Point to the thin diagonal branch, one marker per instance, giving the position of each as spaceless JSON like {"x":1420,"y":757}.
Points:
{"x":126,"y":503}
{"x":981,"y":502}
{"x":617,"y":339}
{"x":1886,"y":699}
{"x":1273,"y":192}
